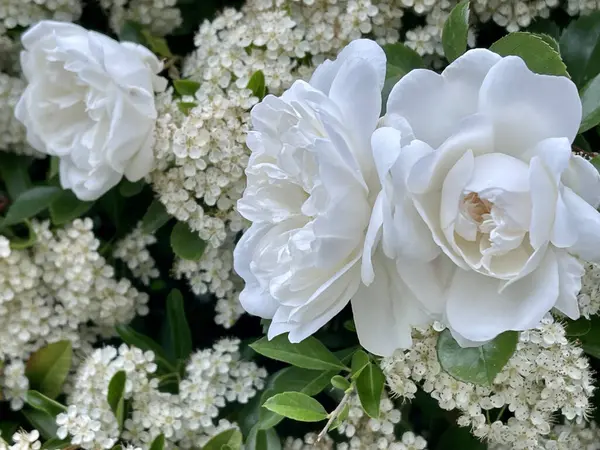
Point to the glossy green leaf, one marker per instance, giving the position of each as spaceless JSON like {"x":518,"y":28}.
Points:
{"x":268,"y":419}
{"x":186,"y":87}
{"x":158,"y":443}
{"x":456,"y":30}
{"x":47,"y":368}
{"x":477,"y":365}
{"x":580,"y":48}
{"x":550,"y":41}
{"x":257,"y":84}
{"x":263,"y":440}
{"x":339,"y":382}
{"x":181,"y":337}
{"x":296,"y":406}
{"x":116,"y":396}
{"x":186,"y":243}
{"x":30,"y":203}
{"x":130,"y":189}
{"x":67,"y":207}
{"x":369,"y":386}
{"x":578,"y":328}
{"x":590,"y":341}
{"x":538,"y":55}
{"x":186,"y":107}
{"x":42,"y":421}
{"x":231,"y":438}
{"x":400,"y":60}
{"x":157,"y":44}
{"x":56,"y":444}
{"x":309,"y":382}
{"x":132,"y":32}
{"x":308,"y":354}
{"x":42,"y":403}
{"x":19,"y":242}
{"x":590,"y":101}
{"x":155,"y":217}
{"x":360,"y":360}
{"x":14,"y":173}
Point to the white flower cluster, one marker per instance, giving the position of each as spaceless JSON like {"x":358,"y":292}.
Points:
{"x":160,"y":16}
{"x":187,"y":419}
{"x":23,"y":440}
{"x":22,"y":13}
{"x":567,"y":437}
{"x":513,"y":14}
{"x":214,"y":273}
{"x":60,"y":289}
{"x":12,"y":132}
{"x":360,"y":432}
{"x":133,"y":250}
{"x":546,"y":374}
{"x":575,"y":7}
{"x":589,"y":296}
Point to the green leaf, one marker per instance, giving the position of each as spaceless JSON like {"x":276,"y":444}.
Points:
{"x":67,"y":207}
{"x":269,"y":419}
{"x":263,"y":440}
{"x":129,"y":189}
{"x":13,"y":170}
{"x":340,"y":418}
{"x":459,"y":438}
{"x":30,"y":203}
{"x":47,"y":369}
{"x":578,"y":328}
{"x":537,"y":54}
{"x":186,"y":243}
{"x":116,"y":396}
{"x":400,"y":60}
{"x":55,"y":444}
{"x":132,"y":31}
{"x":580,"y":48}
{"x":590,"y":101}
{"x":550,"y":41}
{"x":308,"y":354}
{"x":158,"y":443}
{"x":135,"y":339}
{"x":186,"y":107}
{"x":296,"y":406}
{"x":18,"y":242}
{"x":257,"y":84}
{"x":181,"y":337}
{"x":42,"y":403}
{"x":596,"y":163}
{"x":477,"y":365}
{"x":186,"y":87}
{"x":155,"y":217}
{"x":157,"y":44}
{"x":350,"y":326}
{"x":42,"y":421}
{"x":456,"y":30}
{"x":231,"y":438}
{"x":369,"y":386}
{"x":360,"y":360}
{"x":339,"y":382}
{"x":306,"y":381}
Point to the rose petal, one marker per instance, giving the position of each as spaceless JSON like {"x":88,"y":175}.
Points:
{"x":587,"y":226}
{"x":570,"y":271}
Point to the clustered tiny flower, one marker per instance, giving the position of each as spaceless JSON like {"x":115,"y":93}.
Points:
{"x":162,"y":17}
{"x":213,"y":378}
{"x":547,"y":374}
{"x":23,"y":440}
{"x":12,"y":132}
{"x":133,"y":250}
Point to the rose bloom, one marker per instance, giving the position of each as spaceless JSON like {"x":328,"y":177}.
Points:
{"x":311,"y":187}
{"x":90,"y":102}
{"x":478,"y":168}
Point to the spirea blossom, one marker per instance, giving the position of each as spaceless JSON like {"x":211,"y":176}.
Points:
{"x":59,"y":289}
{"x":547,"y":374}
{"x":132,"y":249}
{"x":213,"y":377}
{"x":161,"y":17}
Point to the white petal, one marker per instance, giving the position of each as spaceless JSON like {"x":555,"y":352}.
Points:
{"x":544,"y":195}
{"x":527,"y":108}
{"x":372,"y":239}
{"x":385,"y":312}
{"x":587,"y":226}
{"x":570,"y":271}
{"x":583,"y":179}
{"x":478,"y":312}
{"x":365,"y":49}
{"x":434,"y":104}
{"x":255,"y":299}
{"x":499,"y":171}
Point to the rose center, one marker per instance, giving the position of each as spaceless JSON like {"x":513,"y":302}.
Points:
{"x":477,"y":208}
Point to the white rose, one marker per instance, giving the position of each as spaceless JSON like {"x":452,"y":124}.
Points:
{"x":480,"y":157}
{"x":89,"y":101}
{"x":311,"y":188}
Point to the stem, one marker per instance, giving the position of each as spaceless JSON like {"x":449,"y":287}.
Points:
{"x":336,"y":412}
{"x":501,"y":412}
